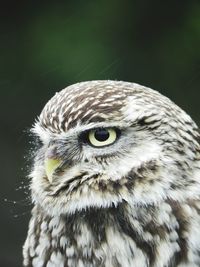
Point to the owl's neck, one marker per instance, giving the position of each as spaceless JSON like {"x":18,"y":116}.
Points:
{"x":116,"y":236}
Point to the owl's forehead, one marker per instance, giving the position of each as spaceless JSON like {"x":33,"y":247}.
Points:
{"x":90,"y":102}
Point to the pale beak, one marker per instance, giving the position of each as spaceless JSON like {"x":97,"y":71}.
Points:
{"x":50,"y":166}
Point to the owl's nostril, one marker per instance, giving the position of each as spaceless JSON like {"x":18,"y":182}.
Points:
{"x":52,"y":152}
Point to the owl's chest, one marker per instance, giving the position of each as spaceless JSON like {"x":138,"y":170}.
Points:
{"x":114,"y":239}
{"x":86,"y":249}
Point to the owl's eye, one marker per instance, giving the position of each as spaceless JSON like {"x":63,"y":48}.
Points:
{"x":102,"y":136}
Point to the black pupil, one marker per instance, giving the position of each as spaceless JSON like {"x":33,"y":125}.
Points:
{"x":101,"y":135}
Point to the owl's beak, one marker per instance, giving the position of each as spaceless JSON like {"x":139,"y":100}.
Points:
{"x":50,"y":166}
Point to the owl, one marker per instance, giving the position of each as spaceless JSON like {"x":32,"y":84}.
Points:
{"x":116,"y":180}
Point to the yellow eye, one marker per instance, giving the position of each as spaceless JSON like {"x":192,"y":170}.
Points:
{"x":102,"y":136}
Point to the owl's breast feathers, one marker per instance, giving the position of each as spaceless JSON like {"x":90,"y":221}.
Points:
{"x":166,"y":235}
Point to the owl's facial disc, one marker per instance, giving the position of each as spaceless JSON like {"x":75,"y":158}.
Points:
{"x":59,"y":159}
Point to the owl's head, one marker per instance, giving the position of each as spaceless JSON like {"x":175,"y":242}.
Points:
{"x":107,"y":142}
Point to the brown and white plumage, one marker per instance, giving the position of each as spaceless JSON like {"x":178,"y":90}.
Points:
{"x":132,"y":200}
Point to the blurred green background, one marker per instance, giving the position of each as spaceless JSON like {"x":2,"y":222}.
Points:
{"x":48,"y":45}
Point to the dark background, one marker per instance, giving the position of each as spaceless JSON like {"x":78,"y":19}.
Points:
{"x":47,"y":45}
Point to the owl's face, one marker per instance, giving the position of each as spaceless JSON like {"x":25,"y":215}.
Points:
{"x":105,"y":142}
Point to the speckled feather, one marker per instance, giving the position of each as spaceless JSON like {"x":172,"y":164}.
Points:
{"x":135,"y":203}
